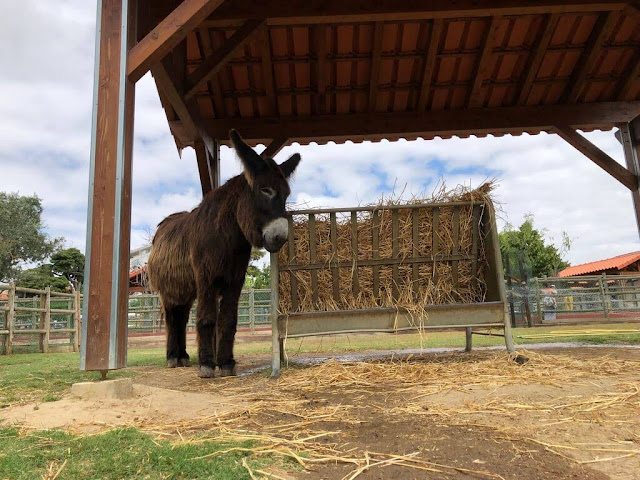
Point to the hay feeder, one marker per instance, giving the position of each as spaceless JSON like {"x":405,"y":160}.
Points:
{"x":389,"y":268}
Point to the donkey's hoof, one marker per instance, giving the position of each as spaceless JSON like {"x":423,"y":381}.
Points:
{"x":172,"y":362}
{"x":206,"y":371}
{"x":228,"y":371}
{"x":184,"y":362}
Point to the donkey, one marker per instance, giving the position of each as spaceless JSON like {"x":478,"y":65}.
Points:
{"x":204,"y":255}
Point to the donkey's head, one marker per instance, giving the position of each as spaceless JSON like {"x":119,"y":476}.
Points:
{"x":263,"y":220}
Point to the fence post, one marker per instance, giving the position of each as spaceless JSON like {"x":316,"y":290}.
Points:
{"x":11,"y":317}
{"x":539,"y":310}
{"x":252,"y":312}
{"x":512,"y":310}
{"x":603,"y":296}
{"x":47,"y":319}
{"x":76,"y":320}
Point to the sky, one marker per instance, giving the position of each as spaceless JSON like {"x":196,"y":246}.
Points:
{"x":46,"y":85}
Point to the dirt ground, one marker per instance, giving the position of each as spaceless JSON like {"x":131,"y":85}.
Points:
{"x":564,"y":414}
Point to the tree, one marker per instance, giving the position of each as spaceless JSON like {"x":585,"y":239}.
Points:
{"x":256,"y":277}
{"x":22,"y":236}
{"x":69,"y":263}
{"x":527,"y":242}
{"x":42,"y":277}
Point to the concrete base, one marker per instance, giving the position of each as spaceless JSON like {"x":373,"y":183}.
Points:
{"x":117,"y":388}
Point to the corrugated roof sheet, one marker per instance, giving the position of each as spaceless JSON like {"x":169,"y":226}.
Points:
{"x":615,"y":263}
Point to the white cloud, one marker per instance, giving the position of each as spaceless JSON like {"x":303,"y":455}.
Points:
{"x":45,"y":119}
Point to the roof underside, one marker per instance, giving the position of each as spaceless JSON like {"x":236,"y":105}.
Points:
{"x":403,"y":73}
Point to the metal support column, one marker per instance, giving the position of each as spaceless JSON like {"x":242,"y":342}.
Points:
{"x":630,"y":139}
{"x":106,"y":291}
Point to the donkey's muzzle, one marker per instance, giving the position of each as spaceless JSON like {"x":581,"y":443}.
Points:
{"x":275,"y":234}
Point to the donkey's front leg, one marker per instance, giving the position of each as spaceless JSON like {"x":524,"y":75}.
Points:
{"x":226,"y":329}
{"x":206,"y":318}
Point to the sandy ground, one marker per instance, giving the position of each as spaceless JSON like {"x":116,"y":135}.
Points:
{"x":566,"y":414}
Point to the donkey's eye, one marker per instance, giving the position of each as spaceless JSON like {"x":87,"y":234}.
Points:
{"x":268,"y":192}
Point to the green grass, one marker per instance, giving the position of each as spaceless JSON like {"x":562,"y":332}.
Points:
{"x":116,"y":454}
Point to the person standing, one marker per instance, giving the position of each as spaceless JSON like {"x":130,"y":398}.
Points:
{"x":549,"y":302}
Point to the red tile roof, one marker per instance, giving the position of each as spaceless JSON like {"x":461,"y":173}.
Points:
{"x":615,"y":263}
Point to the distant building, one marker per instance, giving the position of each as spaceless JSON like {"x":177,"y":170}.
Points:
{"x":627,"y":264}
{"x":139,"y":257}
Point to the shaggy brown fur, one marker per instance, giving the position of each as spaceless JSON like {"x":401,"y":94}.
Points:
{"x":204,"y":254}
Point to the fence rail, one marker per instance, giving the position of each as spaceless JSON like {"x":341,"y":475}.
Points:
{"x":584,"y":299}
{"x":40,"y":319}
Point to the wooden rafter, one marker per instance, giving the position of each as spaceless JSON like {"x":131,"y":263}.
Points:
{"x":191,"y":122}
{"x":633,"y":10}
{"x":206,"y":50}
{"x":442,"y":122}
{"x":601,"y":31}
{"x":267,"y":74}
{"x":213,"y":64}
{"x":204,"y":167}
{"x":630,"y":78}
{"x":540,"y":49}
{"x":292,"y":12}
{"x":597,"y":156}
{"x":169,"y":33}
{"x":321,"y":68}
{"x":274,"y":147}
{"x":482,"y":65}
{"x":375,"y":64}
{"x":430,"y":63}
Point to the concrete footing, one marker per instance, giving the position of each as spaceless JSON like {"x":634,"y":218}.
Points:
{"x":116,"y":388}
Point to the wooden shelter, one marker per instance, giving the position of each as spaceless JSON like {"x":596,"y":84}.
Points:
{"x":335,"y":70}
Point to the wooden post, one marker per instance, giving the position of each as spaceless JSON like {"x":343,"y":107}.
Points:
{"x":512,"y":309}
{"x":630,"y":139}
{"x":46,"y":300}
{"x":604,"y":295}
{"x":76,"y":320}
{"x":469,"y":339}
{"x":104,"y":332}
{"x":523,"y":276}
{"x":275,"y":337}
{"x":41,"y":321}
{"x":252,"y":312}
{"x":538,"y":309}
{"x":11,"y":316}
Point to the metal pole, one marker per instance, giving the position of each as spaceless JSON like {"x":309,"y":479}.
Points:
{"x":512,"y":309}
{"x":523,"y":275}
{"x":275,"y":336}
{"x":603,"y":297}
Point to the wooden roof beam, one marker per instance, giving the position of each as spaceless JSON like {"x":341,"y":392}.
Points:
{"x":191,"y":122}
{"x":213,"y":64}
{"x":630,"y":78}
{"x":375,"y":64}
{"x":597,"y":156}
{"x":482,"y":67}
{"x":167,"y":35}
{"x":601,"y":31}
{"x":274,"y":147}
{"x":292,"y":12}
{"x":540,"y":49}
{"x":430,"y":123}
{"x":204,"y":167}
{"x":430,"y":63}
{"x":320,"y":37}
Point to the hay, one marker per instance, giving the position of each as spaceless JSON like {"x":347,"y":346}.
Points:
{"x":435,"y":283}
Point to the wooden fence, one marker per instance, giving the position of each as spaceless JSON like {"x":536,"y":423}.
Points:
{"x":42,"y":318}
{"x":39,"y":320}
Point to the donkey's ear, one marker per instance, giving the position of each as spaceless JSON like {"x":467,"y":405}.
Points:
{"x":251,"y":161}
{"x":288,"y":166}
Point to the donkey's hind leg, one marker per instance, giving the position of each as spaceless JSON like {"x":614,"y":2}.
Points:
{"x":176,"y":319}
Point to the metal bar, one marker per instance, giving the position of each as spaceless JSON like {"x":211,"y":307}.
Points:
{"x":375,"y":242}
{"x":372,"y":208}
{"x":335,"y":273}
{"x":312,"y":259}
{"x":292,"y":253}
{"x":394,"y":252}
{"x":435,"y":241}
{"x":415,"y":238}
{"x":355,"y":285}
{"x":456,"y":245}
{"x":275,"y":336}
